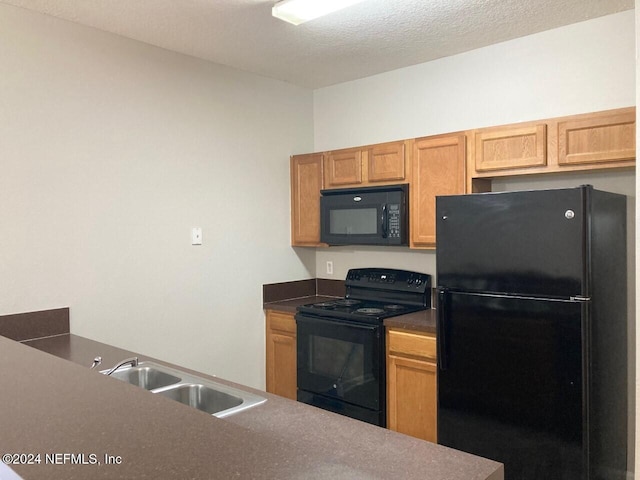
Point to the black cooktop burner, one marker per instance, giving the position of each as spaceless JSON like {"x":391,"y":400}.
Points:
{"x":393,"y":307}
{"x":325,"y":304}
{"x":347,"y":302}
{"x":370,"y":311}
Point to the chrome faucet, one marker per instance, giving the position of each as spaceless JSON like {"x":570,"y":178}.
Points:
{"x":96,"y":361}
{"x":133,"y":361}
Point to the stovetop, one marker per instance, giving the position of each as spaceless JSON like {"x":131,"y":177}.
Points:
{"x":362,"y":310}
{"x":374,"y":294}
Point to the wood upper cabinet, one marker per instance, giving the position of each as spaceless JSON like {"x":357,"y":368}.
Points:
{"x":386,"y":162}
{"x":592,"y":141}
{"x":343,"y":168}
{"x":458,"y":163}
{"x":412,"y":383}
{"x":306,"y":183}
{"x":438,"y":168}
{"x":597,"y":139}
{"x":510,"y":147}
{"x":383,"y":163}
{"x":281,"y":354}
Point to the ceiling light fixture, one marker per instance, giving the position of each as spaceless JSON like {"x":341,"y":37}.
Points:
{"x":300,"y":11}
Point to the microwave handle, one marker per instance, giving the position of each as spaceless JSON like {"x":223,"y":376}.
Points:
{"x":384,"y":218}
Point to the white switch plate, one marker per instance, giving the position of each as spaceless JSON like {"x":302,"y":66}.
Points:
{"x":329,"y":268}
{"x":196,"y":236}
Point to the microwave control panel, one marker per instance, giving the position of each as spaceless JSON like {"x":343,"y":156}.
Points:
{"x":394,"y":220}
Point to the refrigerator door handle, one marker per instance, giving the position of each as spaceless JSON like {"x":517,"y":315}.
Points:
{"x":443,"y":309}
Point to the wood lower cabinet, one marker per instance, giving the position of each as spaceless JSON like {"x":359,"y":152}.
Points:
{"x":412,"y":383}
{"x":379,"y":164}
{"x":438,"y":168}
{"x":281,"y":354}
{"x":306,"y":183}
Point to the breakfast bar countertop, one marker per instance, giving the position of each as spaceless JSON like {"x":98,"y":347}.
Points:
{"x":54,"y":405}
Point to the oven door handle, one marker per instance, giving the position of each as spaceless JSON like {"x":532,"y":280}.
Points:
{"x":384,"y":219}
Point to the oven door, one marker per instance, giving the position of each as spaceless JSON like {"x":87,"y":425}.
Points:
{"x":341,"y":367}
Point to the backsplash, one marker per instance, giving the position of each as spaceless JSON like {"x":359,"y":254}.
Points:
{"x":31,"y":325}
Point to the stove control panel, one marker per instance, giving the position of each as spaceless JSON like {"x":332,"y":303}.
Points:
{"x":388,"y":278}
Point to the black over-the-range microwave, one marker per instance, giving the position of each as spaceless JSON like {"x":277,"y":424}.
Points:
{"x":365,"y":216}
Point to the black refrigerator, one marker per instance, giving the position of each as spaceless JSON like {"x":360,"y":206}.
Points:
{"x":532,"y":331}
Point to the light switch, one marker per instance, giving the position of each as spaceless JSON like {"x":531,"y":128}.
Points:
{"x":196,"y":236}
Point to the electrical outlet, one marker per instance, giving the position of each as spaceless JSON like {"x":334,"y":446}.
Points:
{"x":329,"y":268}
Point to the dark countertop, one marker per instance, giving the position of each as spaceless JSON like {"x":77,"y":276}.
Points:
{"x":423,"y":321}
{"x":51,"y":405}
{"x":289,"y":306}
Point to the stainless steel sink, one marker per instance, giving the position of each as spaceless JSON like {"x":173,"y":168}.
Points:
{"x":203,"y":398}
{"x":209,"y":396}
{"x":144,"y":376}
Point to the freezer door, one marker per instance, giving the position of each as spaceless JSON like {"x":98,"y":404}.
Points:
{"x":510,"y":383}
{"x":532,"y":242}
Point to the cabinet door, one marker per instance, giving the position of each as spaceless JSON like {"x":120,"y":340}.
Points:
{"x":412,"y":384}
{"x":598,"y":139}
{"x":306,"y":183}
{"x":386,"y":162}
{"x":343,"y":168}
{"x":412,"y":397}
{"x":281,"y":354}
{"x":438,"y":168}
{"x":509,"y":147}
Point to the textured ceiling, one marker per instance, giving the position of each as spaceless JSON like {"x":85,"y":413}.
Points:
{"x":372,"y":37}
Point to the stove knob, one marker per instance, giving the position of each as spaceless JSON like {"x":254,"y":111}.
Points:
{"x":418,"y":282}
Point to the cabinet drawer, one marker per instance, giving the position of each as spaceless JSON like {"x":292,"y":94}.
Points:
{"x":411,"y":344}
{"x":283,"y":322}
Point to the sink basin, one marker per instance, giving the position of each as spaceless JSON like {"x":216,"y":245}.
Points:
{"x":207,"y":395}
{"x":203,"y":398}
{"x":149,"y":378}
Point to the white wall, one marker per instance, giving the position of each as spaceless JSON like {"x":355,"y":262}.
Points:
{"x":579,"y":68}
{"x":110,"y":151}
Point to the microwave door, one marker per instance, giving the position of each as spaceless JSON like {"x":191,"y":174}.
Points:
{"x":353,"y":225}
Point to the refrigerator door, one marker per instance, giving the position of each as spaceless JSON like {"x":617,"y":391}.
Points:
{"x":510,"y":382}
{"x":531,"y":242}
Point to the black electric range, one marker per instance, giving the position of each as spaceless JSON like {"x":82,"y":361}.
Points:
{"x":373,"y":294}
{"x":341,"y":343}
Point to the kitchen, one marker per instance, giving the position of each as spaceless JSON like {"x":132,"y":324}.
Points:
{"x":112,"y":147}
